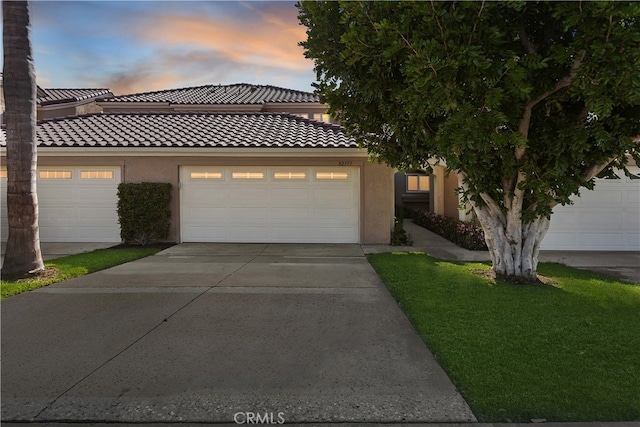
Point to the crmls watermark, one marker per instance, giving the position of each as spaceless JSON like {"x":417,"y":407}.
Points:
{"x":258,"y":418}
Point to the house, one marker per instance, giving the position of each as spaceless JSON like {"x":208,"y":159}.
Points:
{"x":607,"y":218}
{"x":247,"y":163}
{"x":54,"y":103}
{"x":62,"y":102}
{"x":254,"y":163}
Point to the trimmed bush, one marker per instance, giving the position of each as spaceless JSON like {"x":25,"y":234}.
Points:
{"x":399,"y":236}
{"x":464,"y":234}
{"x":143,"y":211}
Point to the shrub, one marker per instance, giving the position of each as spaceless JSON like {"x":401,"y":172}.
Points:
{"x":399,"y":236}
{"x":465,"y":234}
{"x":143,"y":211}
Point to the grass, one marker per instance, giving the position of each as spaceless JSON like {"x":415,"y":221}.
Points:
{"x":567,"y":352}
{"x":71,"y":266}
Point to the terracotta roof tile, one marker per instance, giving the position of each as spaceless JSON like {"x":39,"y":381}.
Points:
{"x":222,"y":130}
{"x":241,"y":93}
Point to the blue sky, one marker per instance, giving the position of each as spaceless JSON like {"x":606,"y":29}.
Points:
{"x":137,"y":46}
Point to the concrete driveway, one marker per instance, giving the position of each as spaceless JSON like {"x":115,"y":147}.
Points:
{"x":203,"y":332}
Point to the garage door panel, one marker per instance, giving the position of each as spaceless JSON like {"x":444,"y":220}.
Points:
{"x":291,"y":206}
{"x":601,"y":240}
{"x":558,"y":240}
{"x":289,"y":214}
{"x":96,"y":215}
{"x":631,"y":221}
{"x":242,"y":215}
{"x":606,"y":218}
{"x":98,"y":194}
{"x":632,"y":198}
{"x":603,"y":220}
{"x":291,"y":196}
{"x":206,"y":233}
{"x":205,"y":215}
{"x":335,"y":234}
{"x":632,"y":240}
{"x":333,"y":196}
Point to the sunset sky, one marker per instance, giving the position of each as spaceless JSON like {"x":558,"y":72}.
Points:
{"x":136,"y":46}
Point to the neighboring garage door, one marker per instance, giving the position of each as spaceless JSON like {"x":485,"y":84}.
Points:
{"x":270,"y":204}
{"x":607,"y":218}
{"x":77,"y":204}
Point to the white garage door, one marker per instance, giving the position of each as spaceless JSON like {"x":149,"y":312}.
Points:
{"x":77,"y":204}
{"x":270,"y":204}
{"x":607,"y":218}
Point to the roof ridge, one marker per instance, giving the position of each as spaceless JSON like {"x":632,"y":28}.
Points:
{"x":76,"y":88}
{"x":212,"y":85}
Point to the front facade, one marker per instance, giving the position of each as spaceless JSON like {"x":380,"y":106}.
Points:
{"x":236,"y":177}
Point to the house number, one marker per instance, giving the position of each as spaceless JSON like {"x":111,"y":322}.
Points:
{"x":345,"y":163}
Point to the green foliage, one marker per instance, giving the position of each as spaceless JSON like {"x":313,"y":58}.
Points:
{"x":71,"y":266}
{"x":399,"y":236}
{"x":464,"y":234}
{"x":456,"y":81}
{"x":521,"y":352}
{"x":143,"y":211}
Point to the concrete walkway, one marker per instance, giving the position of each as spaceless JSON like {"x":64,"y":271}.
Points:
{"x":201,"y":332}
{"x":622,"y":265}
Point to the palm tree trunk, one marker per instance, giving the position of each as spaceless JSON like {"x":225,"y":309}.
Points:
{"x":22,"y":254}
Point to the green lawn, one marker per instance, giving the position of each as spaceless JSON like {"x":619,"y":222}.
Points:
{"x":568,"y":352}
{"x":68,"y":267}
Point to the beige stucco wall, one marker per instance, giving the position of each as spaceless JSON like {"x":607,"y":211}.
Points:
{"x":72,"y":109}
{"x":376,"y":181}
{"x":450,"y":197}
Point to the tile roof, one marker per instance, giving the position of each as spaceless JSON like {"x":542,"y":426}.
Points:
{"x":158,"y":130}
{"x":241,"y":93}
{"x":61,"y":96}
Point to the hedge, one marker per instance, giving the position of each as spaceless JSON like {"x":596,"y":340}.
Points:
{"x":464,"y":234}
{"x":143,"y":211}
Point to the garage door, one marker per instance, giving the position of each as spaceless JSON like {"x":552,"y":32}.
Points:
{"x":77,"y":204}
{"x":270,"y":204}
{"x":607,"y":218}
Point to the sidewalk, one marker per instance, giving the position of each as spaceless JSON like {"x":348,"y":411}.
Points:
{"x":622,"y":265}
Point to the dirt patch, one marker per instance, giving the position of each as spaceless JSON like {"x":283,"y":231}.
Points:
{"x":540,"y":281}
{"x":47,"y":274}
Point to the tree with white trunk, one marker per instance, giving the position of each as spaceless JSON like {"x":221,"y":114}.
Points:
{"x":527,"y":102}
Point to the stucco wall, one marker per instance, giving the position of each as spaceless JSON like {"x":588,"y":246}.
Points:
{"x":450,"y":197}
{"x":376,"y":181}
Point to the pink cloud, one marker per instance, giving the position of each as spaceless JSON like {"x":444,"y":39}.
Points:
{"x":265,"y":38}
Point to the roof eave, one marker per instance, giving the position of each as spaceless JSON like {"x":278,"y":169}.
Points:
{"x":200,"y":151}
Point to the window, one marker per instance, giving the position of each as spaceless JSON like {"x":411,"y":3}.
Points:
{"x":289,"y":175}
{"x":247,"y":175}
{"x":417,"y":183}
{"x":3,"y":173}
{"x":332,"y":175}
{"x":205,"y":175}
{"x":96,"y":174}
{"x":54,"y":174}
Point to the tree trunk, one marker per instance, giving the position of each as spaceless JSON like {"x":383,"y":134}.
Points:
{"x":22,"y":254}
{"x":513,"y":245}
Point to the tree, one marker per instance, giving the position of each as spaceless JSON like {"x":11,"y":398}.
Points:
{"x":22,"y":254}
{"x":526,"y":101}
